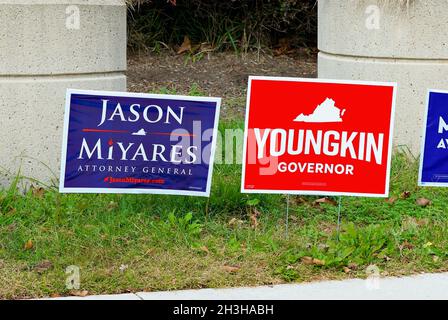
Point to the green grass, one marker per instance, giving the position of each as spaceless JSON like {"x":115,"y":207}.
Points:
{"x":134,"y":243}
{"x":129,"y":243}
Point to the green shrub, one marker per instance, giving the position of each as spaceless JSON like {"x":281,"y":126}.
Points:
{"x":235,"y":24}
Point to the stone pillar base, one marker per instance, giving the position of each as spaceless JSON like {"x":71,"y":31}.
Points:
{"x":47,"y":46}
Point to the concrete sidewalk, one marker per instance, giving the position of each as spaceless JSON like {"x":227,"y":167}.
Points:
{"x":426,"y":286}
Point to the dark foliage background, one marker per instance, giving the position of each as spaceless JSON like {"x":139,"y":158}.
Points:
{"x":223,"y":24}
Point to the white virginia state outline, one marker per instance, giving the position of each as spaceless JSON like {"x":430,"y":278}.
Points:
{"x":140,"y":132}
{"x":326,"y":112}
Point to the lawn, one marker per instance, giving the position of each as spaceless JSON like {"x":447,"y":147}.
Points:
{"x":129,"y":243}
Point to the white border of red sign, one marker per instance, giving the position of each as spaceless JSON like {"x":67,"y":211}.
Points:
{"x":69,"y":93}
{"x":320,"y":193}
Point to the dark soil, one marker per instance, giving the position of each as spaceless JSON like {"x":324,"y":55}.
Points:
{"x":219,"y":74}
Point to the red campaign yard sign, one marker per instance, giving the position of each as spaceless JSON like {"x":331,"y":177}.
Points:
{"x":318,"y":137}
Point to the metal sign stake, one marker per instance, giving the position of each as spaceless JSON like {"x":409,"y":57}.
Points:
{"x":339,"y":217}
{"x":287,"y":216}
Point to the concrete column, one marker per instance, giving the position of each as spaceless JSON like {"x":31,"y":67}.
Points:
{"x":385,"y":41}
{"x":47,"y":46}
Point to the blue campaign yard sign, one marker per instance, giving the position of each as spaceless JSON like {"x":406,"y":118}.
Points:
{"x":434,"y":155}
{"x":138,"y":143}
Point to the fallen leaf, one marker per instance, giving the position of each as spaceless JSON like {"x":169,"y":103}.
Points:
{"x":186,"y":46}
{"x":422,"y":222}
{"x":253,"y":222}
{"x":43,"y":266}
{"x":422,"y":202}
{"x":231,"y":269}
{"x":405,"y":195}
{"x":204,"y":249}
{"x":254,"y":218}
{"x":82,"y":293}
{"x":407,"y":245}
{"x":326,"y":200}
{"x":29,"y":245}
{"x":312,"y":261}
{"x":347,"y":270}
{"x":55,"y":295}
{"x":318,"y":262}
{"x":353,"y":266}
{"x":38,"y":192}
{"x":307,"y":260}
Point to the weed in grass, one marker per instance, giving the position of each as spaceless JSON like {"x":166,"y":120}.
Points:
{"x":177,"y":229}
{"x":165,"y":90}
{"x":195,"y":90}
